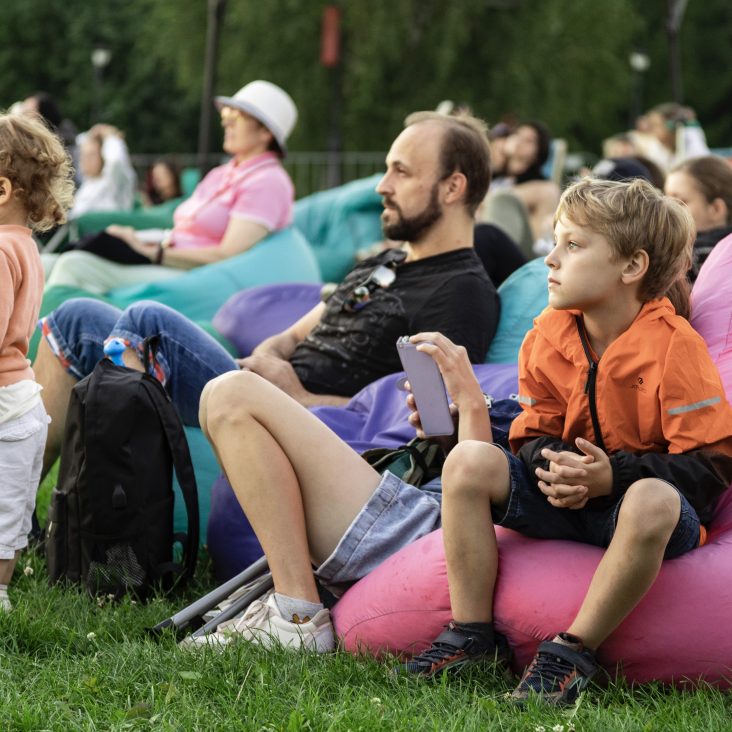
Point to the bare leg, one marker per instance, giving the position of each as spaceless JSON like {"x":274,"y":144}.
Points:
{"x":475,"y":477}
{"x":647,"y":518}
{"x":7,"y":567}
{"x":300,"y":485}
{"x":57,"y":384}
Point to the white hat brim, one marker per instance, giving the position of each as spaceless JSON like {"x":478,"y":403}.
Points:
{"x":254,"y":112}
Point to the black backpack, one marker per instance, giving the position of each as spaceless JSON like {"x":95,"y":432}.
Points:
{"x":110,"y":522}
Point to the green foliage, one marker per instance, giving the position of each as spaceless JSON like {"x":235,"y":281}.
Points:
{"x":563,"y":61}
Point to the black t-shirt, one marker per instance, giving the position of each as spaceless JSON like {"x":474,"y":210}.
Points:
{"x":705,"y":242}
{"x":497,"y":251}
{"x":450,"y":293}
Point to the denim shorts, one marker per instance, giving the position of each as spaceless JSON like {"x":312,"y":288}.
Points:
{"x":529,"y":513}
{"x":396,"y":515}
{"x":22,"y":441}
{"x":188,"y":357}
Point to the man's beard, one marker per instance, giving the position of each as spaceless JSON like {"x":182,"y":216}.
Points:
{"x":413,"y":228}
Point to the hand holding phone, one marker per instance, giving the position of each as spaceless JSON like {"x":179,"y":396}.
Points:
{"x":428,"y":388}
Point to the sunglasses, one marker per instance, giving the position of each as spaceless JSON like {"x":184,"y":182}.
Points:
{"x":381,"y":278}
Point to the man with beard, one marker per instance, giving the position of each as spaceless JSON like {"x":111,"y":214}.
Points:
{"x":438,"y":171}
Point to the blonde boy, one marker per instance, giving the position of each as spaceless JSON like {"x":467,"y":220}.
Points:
{"x":36,"y":190}
{"x":625,"y":441}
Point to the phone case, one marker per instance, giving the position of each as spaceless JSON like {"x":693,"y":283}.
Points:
{"x":428,"y":388}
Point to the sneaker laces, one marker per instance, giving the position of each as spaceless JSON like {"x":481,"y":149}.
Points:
{"x":546,"y":671}
{"x":258,"y":610}
{"x":442,"y":649}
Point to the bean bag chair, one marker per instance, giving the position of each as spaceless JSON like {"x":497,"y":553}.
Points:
{"x":679,"y":633}
{"x":249,"y":317}
{"x":375,"y":417}
{"x":153,"y":217}
{"x":206,"y":469}
{"x":523,"y":295}
{"x":711,"y":308}
{"x":340,"y":221}
{"x":284,"y":256}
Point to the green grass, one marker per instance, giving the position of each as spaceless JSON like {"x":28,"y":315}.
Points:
{"x":68,"y":662}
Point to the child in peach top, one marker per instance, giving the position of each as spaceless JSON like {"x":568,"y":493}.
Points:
{"x":36,"y":190}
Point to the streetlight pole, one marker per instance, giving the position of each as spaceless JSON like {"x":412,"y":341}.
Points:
{"x":330,"y":57}
{"x":100,"y":58}
{"x":674,"y":17}
{"x":216,"y":10}
{"x":639,"y":62}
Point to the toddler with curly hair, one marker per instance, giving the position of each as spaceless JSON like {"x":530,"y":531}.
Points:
{"x":36,"y":191}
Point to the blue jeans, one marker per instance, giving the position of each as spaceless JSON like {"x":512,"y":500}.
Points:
{"x":187,"y":356}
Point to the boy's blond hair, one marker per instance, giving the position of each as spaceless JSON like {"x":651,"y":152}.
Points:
{"x":39,"y":168}
{"x":634,"y":215}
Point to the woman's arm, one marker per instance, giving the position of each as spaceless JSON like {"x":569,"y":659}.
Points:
{"x":240,"y":235}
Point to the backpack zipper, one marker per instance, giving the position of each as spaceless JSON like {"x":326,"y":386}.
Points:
{"x":590,"y":384}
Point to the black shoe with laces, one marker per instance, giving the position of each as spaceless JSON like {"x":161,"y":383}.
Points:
{"x":456,"y":647}
{"x":560,"y":671}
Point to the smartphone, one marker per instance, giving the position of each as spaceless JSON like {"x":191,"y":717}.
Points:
{"x":428,"y":388}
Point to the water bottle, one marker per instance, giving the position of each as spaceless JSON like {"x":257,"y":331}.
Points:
{"x":113,"y":350}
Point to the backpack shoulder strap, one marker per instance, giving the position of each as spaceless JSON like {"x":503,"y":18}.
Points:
{"x":182,"y":464}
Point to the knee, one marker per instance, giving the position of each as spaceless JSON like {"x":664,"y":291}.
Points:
{"x":650,"y":510}
{"x":473,"y":469}
{"x":67,"y":264}
{"x":147,"y":317}
{"x":72,"y":316}
{"x":227,"y":401}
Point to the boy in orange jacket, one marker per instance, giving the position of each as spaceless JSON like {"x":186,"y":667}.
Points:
{"x":624,"y":442}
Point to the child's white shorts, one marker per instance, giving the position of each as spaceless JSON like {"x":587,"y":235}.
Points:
{"x":22,"y":441}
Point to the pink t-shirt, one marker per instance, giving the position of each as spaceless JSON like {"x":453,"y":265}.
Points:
{"x":21,"y":290}
{"x":258,"y":190}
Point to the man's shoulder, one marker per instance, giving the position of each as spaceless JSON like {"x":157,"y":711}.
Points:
{"x":448,"y":265}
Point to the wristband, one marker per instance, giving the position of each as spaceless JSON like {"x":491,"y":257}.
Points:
{"x":164,"y":244}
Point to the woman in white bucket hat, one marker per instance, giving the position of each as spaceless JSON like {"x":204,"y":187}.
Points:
{"x":235,"y":205}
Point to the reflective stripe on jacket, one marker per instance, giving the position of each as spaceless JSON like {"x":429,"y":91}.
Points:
{"x":657,"y":391}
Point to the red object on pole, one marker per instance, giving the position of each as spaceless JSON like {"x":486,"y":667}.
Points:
{"x":330,"y":37}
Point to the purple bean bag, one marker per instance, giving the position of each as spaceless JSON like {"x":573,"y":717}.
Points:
{"x":375,"y":417}
{"x":252,"y":315}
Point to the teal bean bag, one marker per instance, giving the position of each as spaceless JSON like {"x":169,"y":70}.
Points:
{"x":284,"y":256}
{"x":523,"y":296}
{"x":340,"y":221}
{"x":153,"y":217}
{"x":207,"y":470}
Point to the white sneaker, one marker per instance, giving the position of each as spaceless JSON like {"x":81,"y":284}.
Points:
{"x":5,"y":605}
{"x":231,"y":599}
{"x":262,"y":623}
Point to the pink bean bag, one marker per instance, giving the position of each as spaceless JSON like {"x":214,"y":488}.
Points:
{"x":680,"y":632}
{"x":711,"y":308}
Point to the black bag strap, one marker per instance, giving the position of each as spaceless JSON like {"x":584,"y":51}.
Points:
{"x":182,"y":464}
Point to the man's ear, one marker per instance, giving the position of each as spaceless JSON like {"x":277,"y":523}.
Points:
{"x":636,"y":267}
{"x":456,"y":185}
{"x":6,"y":190}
